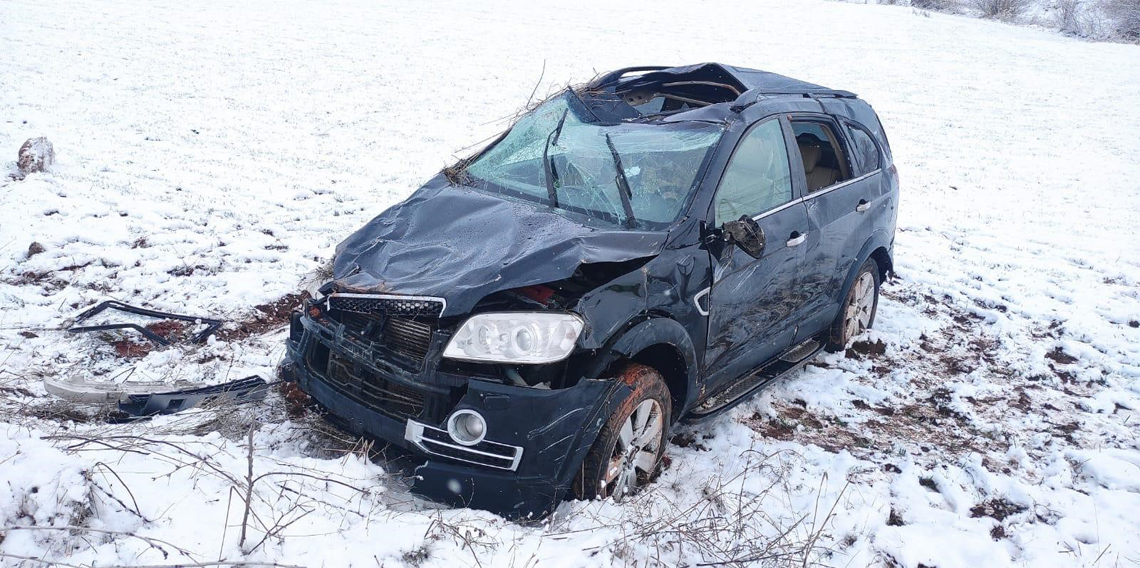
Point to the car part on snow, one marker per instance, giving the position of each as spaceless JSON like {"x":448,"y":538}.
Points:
{"x":234,"y":392}
{"x":98,"y":393}
{"x":141,"y":399}
{"x":36,"y":155}
{"x":212,"y":325}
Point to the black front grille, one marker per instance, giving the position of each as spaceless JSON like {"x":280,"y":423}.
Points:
{"x":390,"y":305}
{"x":402,"y":324}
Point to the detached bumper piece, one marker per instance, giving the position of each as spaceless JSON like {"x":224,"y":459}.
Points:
{"x":137,"y":399}
{"x":235,"y":392}
{"x":437,"y":442}
{"x":212,"y":325}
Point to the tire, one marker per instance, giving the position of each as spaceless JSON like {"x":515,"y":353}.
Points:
{"x":626,"y":455}
{"x":857,"y":313}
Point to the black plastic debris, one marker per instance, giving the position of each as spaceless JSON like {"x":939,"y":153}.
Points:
{"x":234,"y":392}
{"x":212,"y":325}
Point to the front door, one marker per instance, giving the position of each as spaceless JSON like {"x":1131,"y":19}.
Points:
{"x":751,"y":299}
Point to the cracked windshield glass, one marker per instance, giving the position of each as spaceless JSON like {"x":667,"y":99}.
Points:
{"x":638,"y":175}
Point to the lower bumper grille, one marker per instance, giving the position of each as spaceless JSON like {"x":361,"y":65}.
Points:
{"x":387,"y":397}
{"x":437,"y":442}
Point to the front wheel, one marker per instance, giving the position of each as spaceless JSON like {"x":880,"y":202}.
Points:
{"x":857,"y":314}
{"x":630,"y":446}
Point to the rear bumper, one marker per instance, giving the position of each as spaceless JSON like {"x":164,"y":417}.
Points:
{"x":552,"y":428}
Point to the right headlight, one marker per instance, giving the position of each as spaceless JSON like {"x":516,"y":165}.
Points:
{"x":515,"y":337}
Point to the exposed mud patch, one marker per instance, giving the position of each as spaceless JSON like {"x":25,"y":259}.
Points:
{"x":866,"y":349}
{"x":929,"y":418}
{"x":999,"y":509}
{"x":129,"y":349}
{"x":266,"y":317}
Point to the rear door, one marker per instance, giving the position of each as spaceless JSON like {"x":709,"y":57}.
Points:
{"x":752,"y":299}
{"x":841,"y":188}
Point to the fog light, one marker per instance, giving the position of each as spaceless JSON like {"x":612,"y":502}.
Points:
{"x":466,"y":427}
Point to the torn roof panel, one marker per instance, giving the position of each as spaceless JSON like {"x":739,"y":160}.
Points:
{"x":743,"y":78}
{"x":705,"y":91}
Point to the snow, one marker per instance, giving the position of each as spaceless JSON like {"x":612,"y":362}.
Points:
{"x":210,"y":155}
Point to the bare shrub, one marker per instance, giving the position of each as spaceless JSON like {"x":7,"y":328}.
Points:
{"x":1125,"y":15}
{"x":935,"y":5}
{"x":1068,"y":16}
{"x":1079,"y":18}
{"x":1002,"y":9}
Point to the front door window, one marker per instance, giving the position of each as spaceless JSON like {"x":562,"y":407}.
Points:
{"x":757,"y":177}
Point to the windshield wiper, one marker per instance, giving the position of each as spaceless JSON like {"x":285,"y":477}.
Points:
{"x":547,"y":165}
{"x":623,"y":185}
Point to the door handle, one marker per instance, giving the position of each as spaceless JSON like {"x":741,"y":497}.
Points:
{"x":862,"y":206}
{"x":797,"y":238}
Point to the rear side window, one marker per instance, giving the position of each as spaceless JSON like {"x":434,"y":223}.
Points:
{"x":757,"y":177}
{"x":866,"y":152}
{"x":823,"y":160}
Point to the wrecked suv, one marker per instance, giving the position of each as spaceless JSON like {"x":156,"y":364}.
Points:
{"x":654,"y":246}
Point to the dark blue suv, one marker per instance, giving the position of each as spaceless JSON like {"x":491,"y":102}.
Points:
{"x":654,"y":246}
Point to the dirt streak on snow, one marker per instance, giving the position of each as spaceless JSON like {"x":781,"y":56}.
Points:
{"x":210,"y":155}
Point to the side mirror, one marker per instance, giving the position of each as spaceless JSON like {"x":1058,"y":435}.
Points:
{"x":746,"y":234}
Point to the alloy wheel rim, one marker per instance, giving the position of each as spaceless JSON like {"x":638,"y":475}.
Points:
{"x":857,"y":316}
{"x":635,"y":451}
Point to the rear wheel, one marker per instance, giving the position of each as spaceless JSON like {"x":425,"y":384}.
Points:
{"x":629,"y":448}
{"x":857,"y":314}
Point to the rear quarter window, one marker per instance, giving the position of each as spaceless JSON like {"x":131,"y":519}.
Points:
{"x":864,"y":150}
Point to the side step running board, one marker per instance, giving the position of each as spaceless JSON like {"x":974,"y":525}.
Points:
{"x":791,"y":361}
{"x":801,"y":352}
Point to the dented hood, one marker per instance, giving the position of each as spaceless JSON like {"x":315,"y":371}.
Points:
{"x":460,"y":244}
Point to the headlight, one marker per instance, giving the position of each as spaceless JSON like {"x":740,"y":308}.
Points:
{"x":521,"y":337}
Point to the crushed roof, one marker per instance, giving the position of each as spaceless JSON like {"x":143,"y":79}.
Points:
{"x":754,"y":80}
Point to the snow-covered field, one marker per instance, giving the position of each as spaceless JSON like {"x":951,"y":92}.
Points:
{"x":211,"y":154}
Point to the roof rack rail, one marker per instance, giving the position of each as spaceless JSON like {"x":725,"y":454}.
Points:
{"x":753,"y":96}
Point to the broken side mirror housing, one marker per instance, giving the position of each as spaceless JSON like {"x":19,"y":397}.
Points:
{"x":746,"y":234}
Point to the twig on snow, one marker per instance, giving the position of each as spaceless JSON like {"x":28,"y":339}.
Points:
{"x":153,"y":542}
{"x":248,"y":490}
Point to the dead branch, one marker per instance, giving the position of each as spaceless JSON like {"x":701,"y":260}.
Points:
{"x":40,"y":560}
{"x":539,"y":82}
{"x":248,"y":491}
{"x":151,"y":541}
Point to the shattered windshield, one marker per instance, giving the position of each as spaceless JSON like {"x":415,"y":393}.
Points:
{"x":557,"y":155}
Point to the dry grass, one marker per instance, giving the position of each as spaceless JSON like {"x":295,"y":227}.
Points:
{"x":727,"y":525}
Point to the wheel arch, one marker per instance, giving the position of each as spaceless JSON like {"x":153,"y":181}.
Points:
{"x":663,"y":344}
{"x":878,"y":246}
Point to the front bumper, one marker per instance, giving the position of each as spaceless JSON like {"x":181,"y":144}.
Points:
{"x":552,"y":429}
